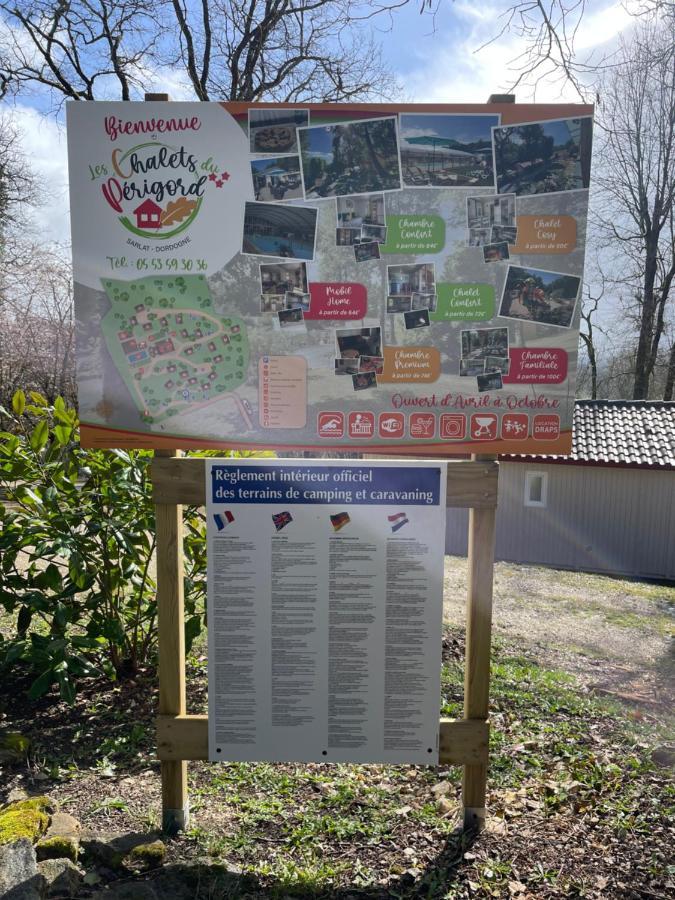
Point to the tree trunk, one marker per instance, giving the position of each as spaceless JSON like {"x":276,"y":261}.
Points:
{"x":670,"y":375}
{"x":643,"y":357}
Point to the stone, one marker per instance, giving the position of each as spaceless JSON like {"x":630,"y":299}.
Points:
{"x":110,"y":849}
{"x":444,"y":806}
{"x":25,"y":819}
{"x":147,"y":856}
{"x":19,"y":877}
{"x":62,"y":839}
{"x":61,"y":877}
{"x":57,"y":848}
{"x":139,"y":890}
{"x":441,"y":789}
{"x":13,"y":747}
{"x":184,"y":885}
{"x":664,"y":757}
{"x":64,"y":825}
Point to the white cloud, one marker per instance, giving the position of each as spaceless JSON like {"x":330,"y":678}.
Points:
{"x":168,"y":80}
{"x":452,"y":69}
{"x":43,"y":141}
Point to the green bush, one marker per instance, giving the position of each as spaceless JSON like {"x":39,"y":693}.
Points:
{"x":77,"y":540}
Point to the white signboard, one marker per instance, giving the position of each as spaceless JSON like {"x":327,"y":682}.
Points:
{"x":325,"y":595}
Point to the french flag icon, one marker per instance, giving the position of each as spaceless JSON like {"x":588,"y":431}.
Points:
{"x":398,"y":520}
{"x":223,"y":519}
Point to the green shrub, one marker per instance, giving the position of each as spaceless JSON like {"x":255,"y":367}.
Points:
{"x":77,"y":552}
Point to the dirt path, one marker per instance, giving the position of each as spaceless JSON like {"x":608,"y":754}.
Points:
{"x":617,"y":636}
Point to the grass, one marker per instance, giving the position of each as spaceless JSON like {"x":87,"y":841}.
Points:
{"x":575,"y":800}
{"x":557,"y":753}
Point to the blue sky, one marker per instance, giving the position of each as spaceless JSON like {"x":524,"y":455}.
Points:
{"x":319,"y":141}
{"x":262,"y":165}
{"x":460,"y":128}
{"x":434,"y":59}
{"x":557,"y":130}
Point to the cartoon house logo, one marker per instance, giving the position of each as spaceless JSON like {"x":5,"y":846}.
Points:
{"x":170,"y":200}
{"x":148,"y":215}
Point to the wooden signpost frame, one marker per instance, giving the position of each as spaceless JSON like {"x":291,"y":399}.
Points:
{"x":179,"y":481}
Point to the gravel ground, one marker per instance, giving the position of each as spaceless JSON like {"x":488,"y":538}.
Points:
{"x":616,"y":636}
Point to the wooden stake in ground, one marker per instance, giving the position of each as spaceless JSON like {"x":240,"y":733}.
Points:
{"x":171,"y":648}
{"x":478,"y":641}
{"x":171,"y":638}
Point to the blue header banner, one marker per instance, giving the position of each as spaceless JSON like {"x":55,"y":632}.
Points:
{"x":353,"y":484}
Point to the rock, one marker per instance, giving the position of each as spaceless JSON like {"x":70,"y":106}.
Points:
{"x":147,"y":856}
{"x":62,"y":839}
{"x":441,"y":789}
{"x":61,"y":877}
{"x":664,"y":757}
{"x":13,"y":747}
{"x":139,"y":890}
{"x":57,"y":848}
{"x":17,"y":793}
{"x":184,"y":885}
{"x":19,"y":878}
{"x":110,"y":850}
{"x":25,"y":819}
{"x":444,"y":806}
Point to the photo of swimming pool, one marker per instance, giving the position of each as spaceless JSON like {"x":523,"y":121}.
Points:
{"x":272,"y":229}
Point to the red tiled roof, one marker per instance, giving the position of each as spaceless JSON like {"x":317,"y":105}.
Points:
{"x":636,"y":433}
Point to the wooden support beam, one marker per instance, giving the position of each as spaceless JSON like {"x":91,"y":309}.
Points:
{"x":477,"y":664}
{"x":186,"y":737}
{"x":171,"y":644}
{"x":470,"y":483}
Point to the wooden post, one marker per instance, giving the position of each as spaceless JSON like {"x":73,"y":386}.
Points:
{"x":171,"y":636}
{"x":171,"y":648}
{"x":478,"y":641}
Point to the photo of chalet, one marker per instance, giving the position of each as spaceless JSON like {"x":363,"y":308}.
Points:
{"x":354,"y":212}
{"x":277,"y":179}
{"x":350,"y":158}
{"x":347,"y":237}
{"x":488,"y":210}
{"x":544,"y":157}
{"x":447,"y":150}
{"x":415,"y":278}
{"x":478,"y":343}
{"x":282,"y":278}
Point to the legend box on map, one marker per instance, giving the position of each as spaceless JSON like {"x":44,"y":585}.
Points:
{"x":282,"y":391}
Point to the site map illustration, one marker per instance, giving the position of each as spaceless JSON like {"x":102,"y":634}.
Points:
{"x":328,"y":277}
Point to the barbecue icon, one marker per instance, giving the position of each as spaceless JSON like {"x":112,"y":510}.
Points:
{"x":484,"y":427}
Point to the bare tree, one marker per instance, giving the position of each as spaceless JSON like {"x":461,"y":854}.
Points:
{"x":18,"y":187}
{"x":669,"y":385}
{"x":36,"y":323}
{"x":635,"y":174}
{"x":587,"y":332}
{"x":284,"y":50}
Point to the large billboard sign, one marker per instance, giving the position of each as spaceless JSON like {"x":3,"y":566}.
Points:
{"x":401,"y":278}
